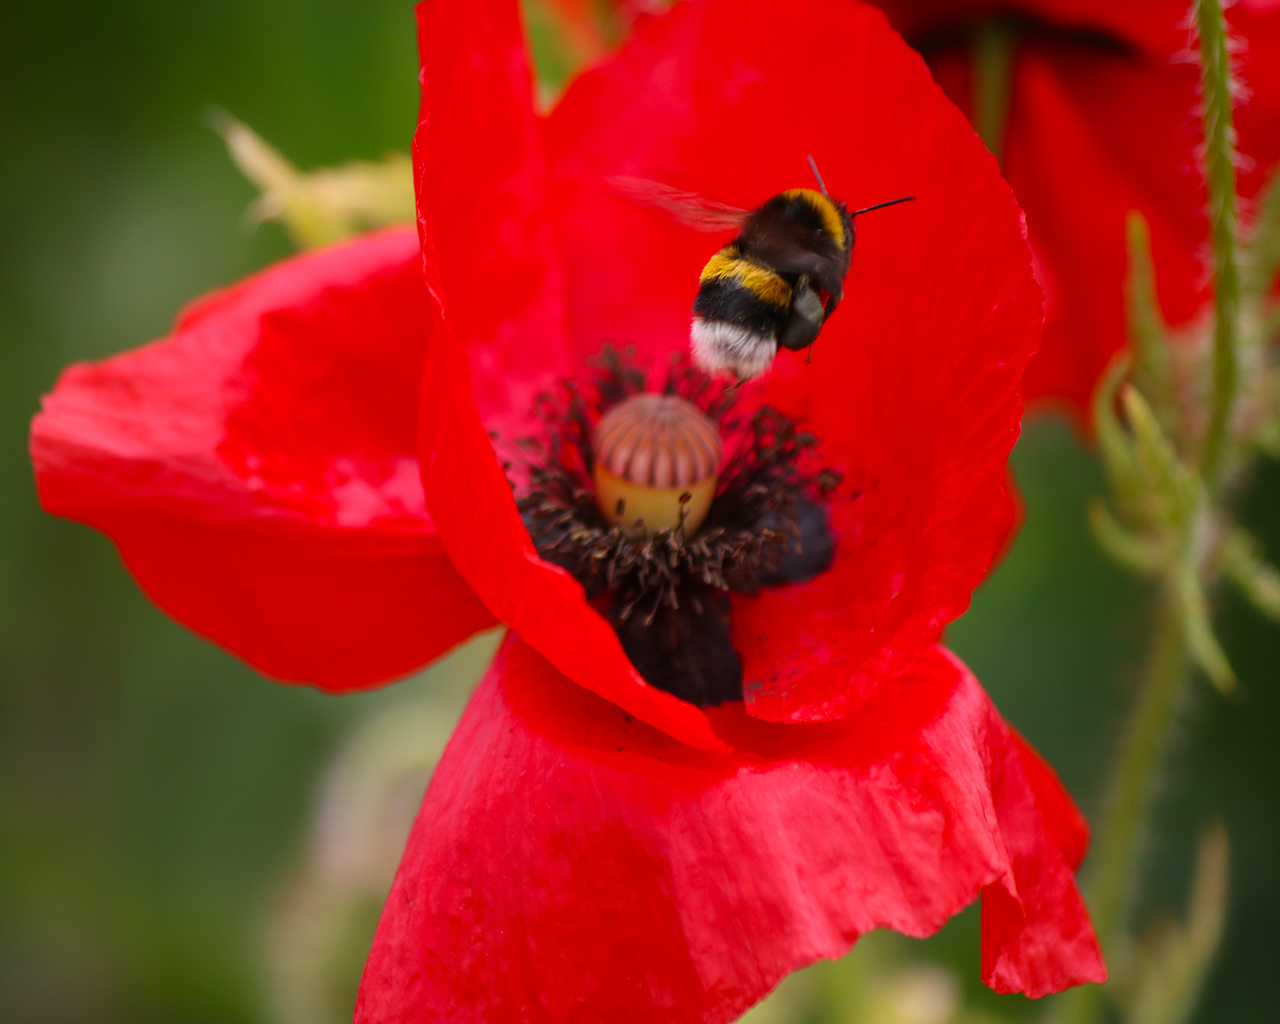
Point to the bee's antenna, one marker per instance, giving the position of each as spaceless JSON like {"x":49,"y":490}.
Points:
{"x":881,"y":206}
{"x":813,"y":165}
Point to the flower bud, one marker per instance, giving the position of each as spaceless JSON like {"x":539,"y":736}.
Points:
{"x":656,"y":460}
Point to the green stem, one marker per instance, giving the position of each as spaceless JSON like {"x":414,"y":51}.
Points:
{"x":1112,"y":876}
{"x":1220,"y":168}
{"x":1112,"y":873}
{"x":993,"y":45}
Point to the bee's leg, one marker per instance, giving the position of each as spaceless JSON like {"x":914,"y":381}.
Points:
{"x":808,"y":553}
{"x":831,"y":284}
{"x":805,"y":318}
{"x":799,"y":333}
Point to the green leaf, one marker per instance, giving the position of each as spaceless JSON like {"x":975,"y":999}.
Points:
{"x":1243,"y":564}
{"x":1117,"y":452}
{"x":1148,"y":333}
{"x":1141,"y":554}
{"x":1202,"y":644}
{"x":1170,"y":488}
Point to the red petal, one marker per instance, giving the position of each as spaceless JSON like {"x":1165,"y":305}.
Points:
{"x":257,"y":470}
{"x":570,"y":863}
{"x":913,"y":388}
{"x":482,"y":221}
{"x":913,"y":391}
{"x":481,"y":205}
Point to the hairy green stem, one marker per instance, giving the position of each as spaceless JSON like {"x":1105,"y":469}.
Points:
{"x":1180,"y":627}
{"x":1112,"y":873}
{"x":1220,"y":177}
{"x":993,"y":45}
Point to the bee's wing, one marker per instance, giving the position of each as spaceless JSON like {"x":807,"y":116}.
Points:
{"x":688,"y":208}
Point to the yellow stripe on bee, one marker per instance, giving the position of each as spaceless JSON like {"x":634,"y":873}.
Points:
{"x":729,"y":265}
{"x":831,"y":219}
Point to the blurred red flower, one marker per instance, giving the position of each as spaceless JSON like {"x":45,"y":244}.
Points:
{"x":591,"y":844}
{"x":1104,"y":118}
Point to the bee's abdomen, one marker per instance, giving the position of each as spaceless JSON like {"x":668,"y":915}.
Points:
{"x":731,"y":271}
{"x":740,"y":310}
{"x":737,"y":291}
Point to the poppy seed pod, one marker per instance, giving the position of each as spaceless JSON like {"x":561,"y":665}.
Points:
{"x":656,"y":459}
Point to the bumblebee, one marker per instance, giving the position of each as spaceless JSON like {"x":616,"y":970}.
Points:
{"x":775,"y":284}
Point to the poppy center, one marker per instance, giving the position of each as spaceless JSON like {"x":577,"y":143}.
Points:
{"x":661,"y":504}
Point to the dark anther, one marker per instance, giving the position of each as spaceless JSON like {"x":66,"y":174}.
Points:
{"x":686,"y":650}
{"x":622,"y":506}
{"x":808,"y":554}
{"x":554,"y":545}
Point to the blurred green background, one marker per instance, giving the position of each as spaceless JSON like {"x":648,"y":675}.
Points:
{"x":158,"y":798}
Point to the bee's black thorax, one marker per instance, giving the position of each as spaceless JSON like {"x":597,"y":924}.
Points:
{"x":792,"y":233}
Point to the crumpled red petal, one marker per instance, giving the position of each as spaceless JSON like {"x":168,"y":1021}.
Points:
{"x":570,"y":863}
{"x":257,"y":469}
{"x":914,"y":386}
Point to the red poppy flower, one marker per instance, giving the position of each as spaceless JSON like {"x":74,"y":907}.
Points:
{"x":593,"y":846}
{"x":1104,"y":118}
